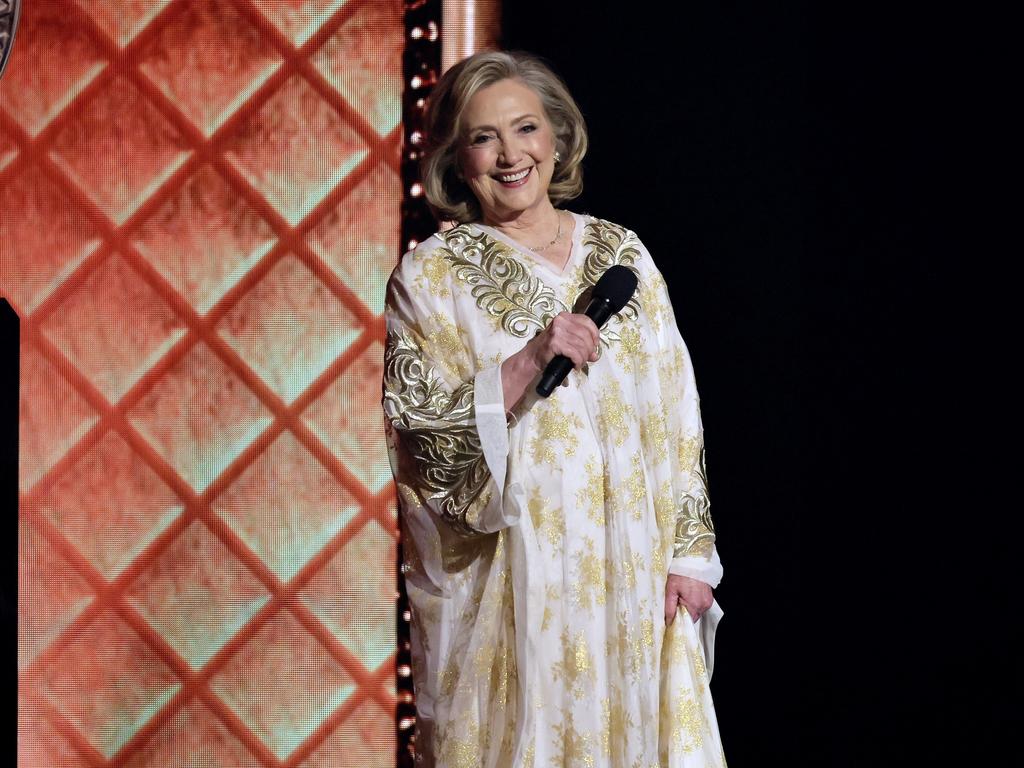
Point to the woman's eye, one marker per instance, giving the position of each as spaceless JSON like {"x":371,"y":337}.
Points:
{"x":481,"y":138}
{"x":529,"y":128}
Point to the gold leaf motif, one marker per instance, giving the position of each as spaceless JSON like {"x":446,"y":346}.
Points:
{"x":503,"y":287}
{"x":609,"y":245}
{"x":695,"y":533}
{"x":441,"y":447}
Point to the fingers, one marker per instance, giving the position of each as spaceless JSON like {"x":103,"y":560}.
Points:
{"x":573,"y":336}
{"x":695,"y":596}
{"x":671,"y":605}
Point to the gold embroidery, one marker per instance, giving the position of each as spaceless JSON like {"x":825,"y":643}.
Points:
{"x":591,"y":495}
{"x":551,"y":596}
{"x":545,"y":521}
{"x":444,"y":343}
{"x":572,"y":747}
{"x":635,"y":643}
{"x":462,"y":753}
{"x":617,"y":721}
{"x":615,"y":417}
{"x":502,"y":286}
{"x":664,"y":506}
{"x":699,"y":669}
{"x":441,"y":446}
{"x":687,"y":719}
{"x":670,"y":369}
{"x":631,"y":354}
{"x":658,"y":558}
{"x":576,"y":668}
{"x":434,"y":275}
{"x":554,"y":426}
{"x":588,"y":590}
{"x":695,"y":532}
{"x":654,"y":434}
{"x":632,"y":493}
{"x":609,"y":244}
{"x":688,"y":451}
{"x":647,"y":632}
{"x":656,"y":308}
{"x":630,"y":568}
{"x":449,"y":677}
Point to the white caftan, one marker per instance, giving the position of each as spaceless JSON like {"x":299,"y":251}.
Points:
{"x":537,"y":547}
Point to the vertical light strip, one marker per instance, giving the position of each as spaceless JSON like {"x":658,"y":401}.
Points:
{"x":468,"y":26}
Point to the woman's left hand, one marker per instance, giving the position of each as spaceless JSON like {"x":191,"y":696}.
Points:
{"x":694,"y":595}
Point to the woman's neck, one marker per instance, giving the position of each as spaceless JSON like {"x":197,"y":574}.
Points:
{"x":531,"y":227}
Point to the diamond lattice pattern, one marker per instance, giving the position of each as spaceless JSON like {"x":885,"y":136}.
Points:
{"x":199,"y":208}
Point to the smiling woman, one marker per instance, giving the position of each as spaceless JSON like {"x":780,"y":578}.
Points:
{"x":549,"y":542}
{"x":508,"y":157}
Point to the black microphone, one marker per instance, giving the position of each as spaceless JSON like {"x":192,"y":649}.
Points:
{"x":610,"y":295}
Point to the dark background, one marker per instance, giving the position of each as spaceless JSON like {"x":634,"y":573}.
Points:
{"x":782,"y":166}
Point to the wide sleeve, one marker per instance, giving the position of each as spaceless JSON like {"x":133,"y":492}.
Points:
{"x":445,"y":418}
{"x":694,"y":550}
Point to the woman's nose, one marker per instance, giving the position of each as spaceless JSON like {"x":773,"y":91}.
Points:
{"x":511,"y":153}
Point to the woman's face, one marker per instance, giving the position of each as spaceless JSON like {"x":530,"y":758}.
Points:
{"x":507,"y":150}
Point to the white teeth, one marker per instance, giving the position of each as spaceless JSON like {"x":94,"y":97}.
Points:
{"x":514,"y":177}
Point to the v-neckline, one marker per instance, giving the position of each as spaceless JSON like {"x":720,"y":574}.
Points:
{"x":574,"y":246}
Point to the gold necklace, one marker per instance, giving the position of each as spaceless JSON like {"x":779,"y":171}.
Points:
{"x":558,"y":236}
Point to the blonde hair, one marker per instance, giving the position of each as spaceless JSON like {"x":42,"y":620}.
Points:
{"x":449,"y":197}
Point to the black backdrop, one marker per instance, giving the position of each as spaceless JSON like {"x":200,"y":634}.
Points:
{"x":779,"y":164}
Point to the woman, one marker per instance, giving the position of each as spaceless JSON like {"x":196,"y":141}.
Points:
{"x":548,"y":541}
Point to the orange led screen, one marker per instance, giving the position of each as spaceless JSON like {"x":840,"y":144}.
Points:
{"x":199,"y":209}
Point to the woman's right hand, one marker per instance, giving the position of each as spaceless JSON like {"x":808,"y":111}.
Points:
{"x":573,"y":335}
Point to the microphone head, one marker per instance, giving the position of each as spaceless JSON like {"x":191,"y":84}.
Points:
{"x":616,"y":286}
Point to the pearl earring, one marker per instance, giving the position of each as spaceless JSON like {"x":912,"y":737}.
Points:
{"x":558,"y":157}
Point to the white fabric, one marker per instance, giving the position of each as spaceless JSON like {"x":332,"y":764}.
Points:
{"x":538,"y":634}
{"x":700,"y":568}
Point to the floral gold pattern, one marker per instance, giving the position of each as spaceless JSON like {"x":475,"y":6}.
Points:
{"x":502,"y":286}
{"x":438,"y":430}
{"x":695,"y":532}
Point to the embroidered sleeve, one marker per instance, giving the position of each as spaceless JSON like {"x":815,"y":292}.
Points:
{"x":441,"y":457}
{"x":694,"y":531}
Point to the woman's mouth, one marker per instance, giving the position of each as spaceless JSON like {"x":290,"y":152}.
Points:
{"x":516,"y":179}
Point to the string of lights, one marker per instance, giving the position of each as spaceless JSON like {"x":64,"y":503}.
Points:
{"x":421,"y":65}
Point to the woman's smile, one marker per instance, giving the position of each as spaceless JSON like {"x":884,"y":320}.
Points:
{"x":513,"y":180}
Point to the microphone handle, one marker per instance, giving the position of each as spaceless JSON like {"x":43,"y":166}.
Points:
{"x":599,"y":310}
